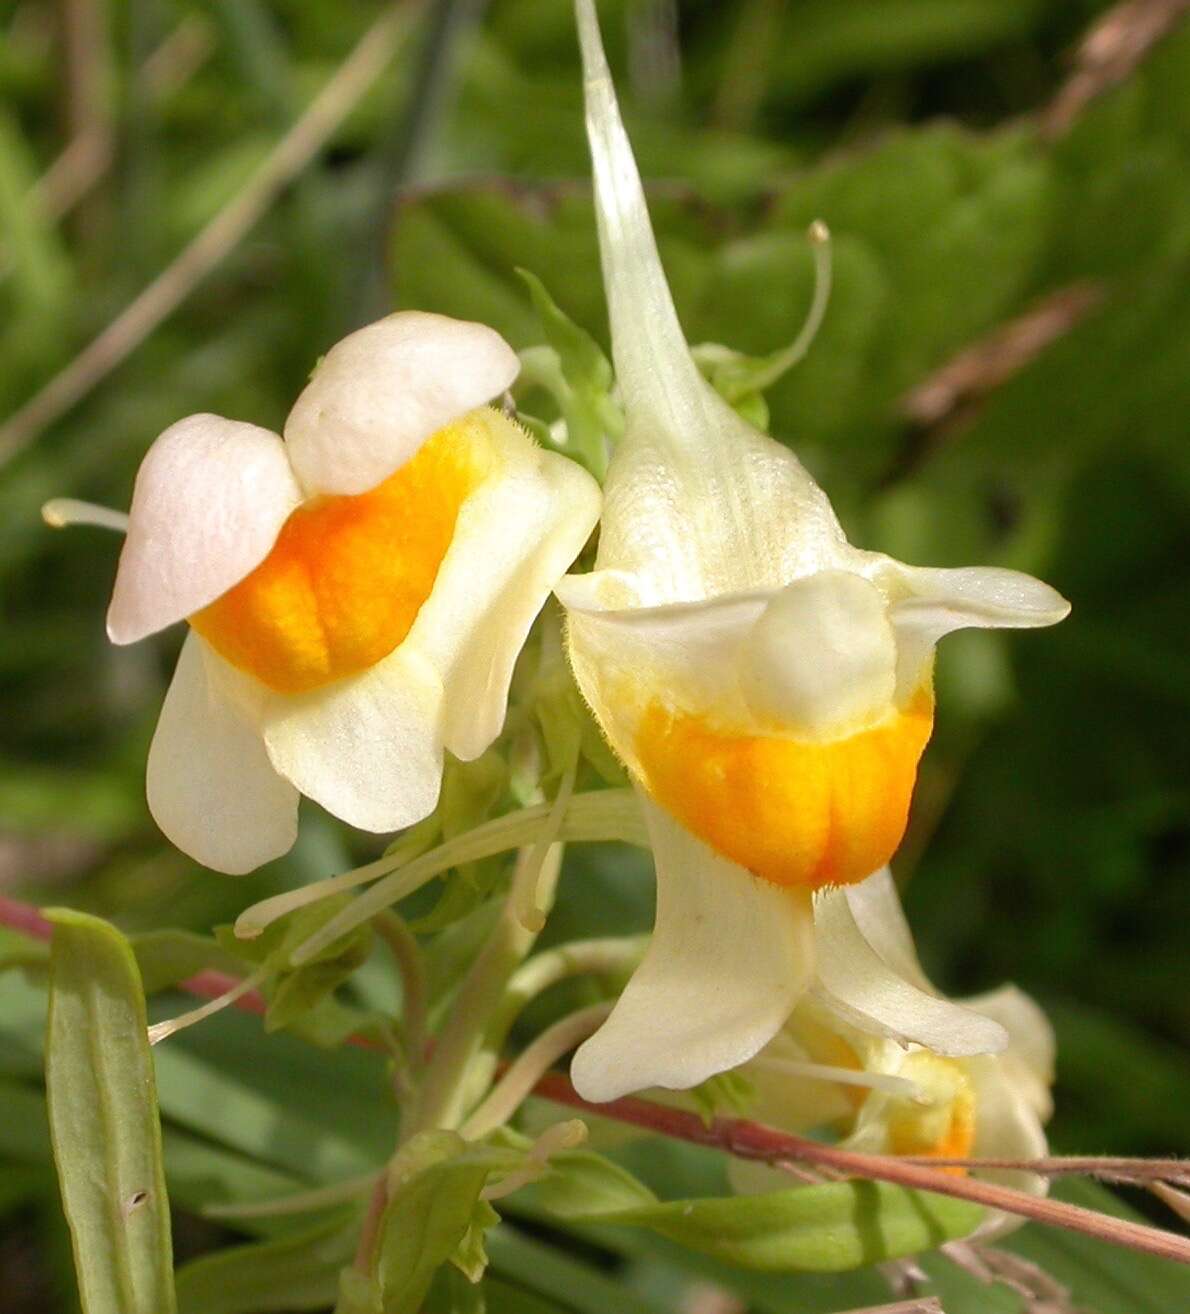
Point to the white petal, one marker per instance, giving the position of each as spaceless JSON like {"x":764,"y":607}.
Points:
{"x":822,"y":657}
{"x":864,"y":990}
{"x":210,"y":785}
{"x":1005,"y":1128}
{"x":696,"y":500}
{"x":729,"y":957}
{"x":211,"y":496}
{"x":985,"y":597}
{"x":368,"y":748}
{"x":687,"y":653}
{"x":1031,"y":1045}
{"x":381,"y":392}
{"x":934,"y":603}
{"x":876,"y":907}
{"x":514,"y":538}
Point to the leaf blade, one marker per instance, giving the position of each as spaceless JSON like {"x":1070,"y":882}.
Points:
{"x":104,"y":1124}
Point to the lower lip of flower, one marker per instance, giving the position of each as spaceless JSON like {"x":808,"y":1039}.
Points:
{"x":792,"y":812}
{"x":347,"y":576}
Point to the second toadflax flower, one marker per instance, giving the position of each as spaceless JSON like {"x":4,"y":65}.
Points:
{"x":767,"y":684}
{"x":358,"y":589}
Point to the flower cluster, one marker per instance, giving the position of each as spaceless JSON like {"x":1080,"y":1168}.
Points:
{"x":358,"y":590}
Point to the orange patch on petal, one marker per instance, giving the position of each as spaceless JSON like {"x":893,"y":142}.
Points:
{"x":942,"y":1128}
{"x":347,"y":576}
{"x":792,"y":812}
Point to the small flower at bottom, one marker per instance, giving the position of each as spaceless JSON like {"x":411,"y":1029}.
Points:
{"x":768,"y":685}
{"x":880,"y":1095}
{"x":357,"y":590}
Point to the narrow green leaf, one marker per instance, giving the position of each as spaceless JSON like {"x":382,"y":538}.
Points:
{"x":1105,"y":1279}
{"x":580,"y":1182}
{"x":816,"y":1229}
{"x":558,"y":1276}
{"x":583,"y":361}
{"x":300,"y":1271}
{"x":429,"y":1216}
{"x":104,"y":1123}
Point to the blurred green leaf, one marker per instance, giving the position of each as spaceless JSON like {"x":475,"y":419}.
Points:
{"x":104,"y":1120}
{"x":433,"y":1202}
{"x":297,"y":1272}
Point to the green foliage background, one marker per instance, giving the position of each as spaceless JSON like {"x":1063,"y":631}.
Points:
{"x":1051,"y":837}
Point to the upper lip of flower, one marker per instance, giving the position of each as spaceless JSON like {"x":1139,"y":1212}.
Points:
{"x":212,"y":494}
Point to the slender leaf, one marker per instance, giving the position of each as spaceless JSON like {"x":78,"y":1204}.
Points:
{"x":103,"y":1121}
{"x":297,"y":1272}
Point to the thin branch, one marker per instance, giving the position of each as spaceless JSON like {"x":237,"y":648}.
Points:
{"x":749,"y":1140}
{"x":529,"y":1066}
{"x":402,"y":156}
{"x":370,"y":1230}
{"x":1104,"y":1168}
{"x":1110,"y":53}
{"x":407,"y":954}
{"x":923,"y":1305}
{"x":220,"y":236}
{"x":949,"y":400}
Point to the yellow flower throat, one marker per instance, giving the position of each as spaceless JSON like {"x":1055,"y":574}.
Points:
{"x":347,"y":576}
{"x":793,"y":812}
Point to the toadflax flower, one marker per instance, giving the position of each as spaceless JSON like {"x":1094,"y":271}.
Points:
{"x":821,"y":1071}
{"x":768,"y":685}
{"x":357,"y":590}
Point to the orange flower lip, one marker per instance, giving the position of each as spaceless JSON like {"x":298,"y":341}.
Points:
{"x":347,"y":575}
{"x":792,"y":812}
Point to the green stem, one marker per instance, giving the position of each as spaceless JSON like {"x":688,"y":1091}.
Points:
{"x":445,"y":1090}
{"x":611,"y":956}
{"x":407,"y":954}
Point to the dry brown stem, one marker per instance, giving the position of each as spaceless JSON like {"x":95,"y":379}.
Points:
{"x":221,"y":235}
{"x":951,"y":391}
{"x":1110,"y":53}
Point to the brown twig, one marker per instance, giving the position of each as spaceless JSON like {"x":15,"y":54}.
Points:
{"x":370,"y":1230}
{"x":749,"y":1140}
{"x":1104,"y":1168}
{"x":922,"y":1305}
{"x":1109,"y":53}
{"x":221,"y":235}
{"x":950,"y":399}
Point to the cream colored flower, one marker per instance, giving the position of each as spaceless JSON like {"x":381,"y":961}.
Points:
{"x":884,"y":1096}
{"x":357,"y":590}
{"x":767,"y":684}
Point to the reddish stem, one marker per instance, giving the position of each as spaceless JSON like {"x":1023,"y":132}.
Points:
{"x":750,"y":1140}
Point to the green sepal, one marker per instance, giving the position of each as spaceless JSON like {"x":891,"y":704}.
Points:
{"x":575,"y":371}
{"x":729,"y":1093}
{"x":472,"y":792}
{"x":294,"y":993}
{"x":434,"y":1190}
